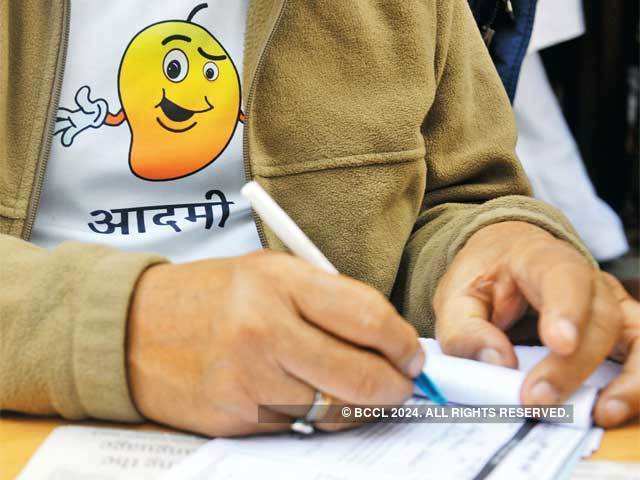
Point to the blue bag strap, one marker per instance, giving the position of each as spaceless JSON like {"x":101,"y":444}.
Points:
{"x":506,"y":27}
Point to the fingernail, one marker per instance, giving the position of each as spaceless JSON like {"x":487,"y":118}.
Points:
{"x":544,"y":393}
{"x":416,"y":363}
{"x":490,"y":355}
{"x":567,"y":333}
{"x":616,"y":411}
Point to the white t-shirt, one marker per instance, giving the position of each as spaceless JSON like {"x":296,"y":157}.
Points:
{"x":147,"y":151}
{"x":556,"y":22}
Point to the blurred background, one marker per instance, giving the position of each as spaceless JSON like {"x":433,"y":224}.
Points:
{"x":577,"y":109}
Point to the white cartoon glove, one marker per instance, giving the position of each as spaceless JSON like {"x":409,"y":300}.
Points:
{"x":90,"y":113}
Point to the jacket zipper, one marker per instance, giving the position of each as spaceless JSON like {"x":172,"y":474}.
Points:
{"x":248,"y":174}
{"x":45,"y":152}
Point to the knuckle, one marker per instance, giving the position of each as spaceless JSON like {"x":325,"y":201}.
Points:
{"x":607,"y":316}
{"x":374,"y":311}
{"x":264,"y":259}
{"x":407,"y":343}
{"x":267,"y":258}
{"x":406,"y":350}
{"x":566,"y":267}
{"x":447,"y":344}
{"x":366,"y":386}
{"x":609,"y":279}
{"x":271,"y":265}
{"x":445,"y":336}
{"x":458,"y":343}
{"x":616,"y":288}
{"x":250,"y":331}
{"x":610,"y":320}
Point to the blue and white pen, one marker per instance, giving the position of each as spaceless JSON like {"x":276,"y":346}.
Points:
{"x":295,"y":239}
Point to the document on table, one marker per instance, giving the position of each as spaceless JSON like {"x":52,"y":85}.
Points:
{"x":390,"y":451}
{"x":382,"y":451}
{"x":81,"y":453}
{"x":602,"y":470}
{"x":467,"y":382}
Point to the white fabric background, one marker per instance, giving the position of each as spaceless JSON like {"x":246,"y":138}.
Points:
{"x":556,"y":21}
{"x":546,"y":148}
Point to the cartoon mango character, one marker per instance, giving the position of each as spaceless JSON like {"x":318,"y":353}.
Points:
{"x":180,"y":95}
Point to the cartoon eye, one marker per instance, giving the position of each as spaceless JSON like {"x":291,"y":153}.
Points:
{"x":176,"y":65}
{"x":210,"y":71}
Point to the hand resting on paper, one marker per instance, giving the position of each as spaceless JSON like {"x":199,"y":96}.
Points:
{"x":584,"y":315}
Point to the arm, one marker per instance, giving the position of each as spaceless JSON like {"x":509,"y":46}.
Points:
{"x":483,"y":251}
{"x":79,"y":321}
{"x":62,"y":324}
{"x":473,"y":176}
{"x":115,"y":120}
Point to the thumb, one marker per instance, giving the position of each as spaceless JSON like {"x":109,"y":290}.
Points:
{"x":620,"y":400}
{"x":83,"y":101}
{"x":463,"y":329}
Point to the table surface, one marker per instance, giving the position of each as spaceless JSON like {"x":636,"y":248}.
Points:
{"x":21,"y":436}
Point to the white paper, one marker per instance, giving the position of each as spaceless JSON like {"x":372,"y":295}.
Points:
{"x":544,"y":454}
{"x":408,"y":451}
{"x":217,"y":463}
{"x":592,"y":442}
{"x":601,"y":470}
{"x":469,"y":382}
{"x":75,"y":453}
{"x":422,"y":451}
{"x":377,"y":452}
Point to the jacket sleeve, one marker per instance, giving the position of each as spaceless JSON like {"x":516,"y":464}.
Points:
{"x":63,"y":319}
{"x":473,"y":176}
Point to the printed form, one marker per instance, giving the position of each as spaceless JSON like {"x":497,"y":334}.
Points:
{"x":382,"y":451}
{"x":457,"y":451}
{"x":390,"y":451}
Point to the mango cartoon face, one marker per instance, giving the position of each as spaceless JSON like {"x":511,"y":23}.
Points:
{"x":180,"y":93}
{"x":180,"y":96}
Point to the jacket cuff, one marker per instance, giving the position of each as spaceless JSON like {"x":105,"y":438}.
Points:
{"x":520,"y":209}
{"x":434,"y":246}
{"x":99,"y":339}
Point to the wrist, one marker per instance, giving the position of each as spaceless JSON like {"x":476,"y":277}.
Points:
{"x":139,"y":332}
{"x":510,"y":235}
{"x":513,"y":229}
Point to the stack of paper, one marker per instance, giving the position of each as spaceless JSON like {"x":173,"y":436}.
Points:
{"x":384,"y":451}
{"x":83,"y":453}
{"x":468,"y":382}
{"x":459,"y":451}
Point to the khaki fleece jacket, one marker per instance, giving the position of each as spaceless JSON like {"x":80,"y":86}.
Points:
{"x":380,"y":126}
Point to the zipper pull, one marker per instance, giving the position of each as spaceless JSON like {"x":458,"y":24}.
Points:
{"x":508,"y":8}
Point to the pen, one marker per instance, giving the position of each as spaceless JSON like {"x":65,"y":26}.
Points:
{"x":295,"y":239}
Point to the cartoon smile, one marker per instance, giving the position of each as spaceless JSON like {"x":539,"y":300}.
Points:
{"x":176,"y":113}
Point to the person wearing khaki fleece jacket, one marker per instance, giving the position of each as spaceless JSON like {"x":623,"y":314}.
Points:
{"x":383,"y":130}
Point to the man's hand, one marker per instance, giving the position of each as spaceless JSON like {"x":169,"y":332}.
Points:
{"x":584,"y":315}
{"x":210,"y":341}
